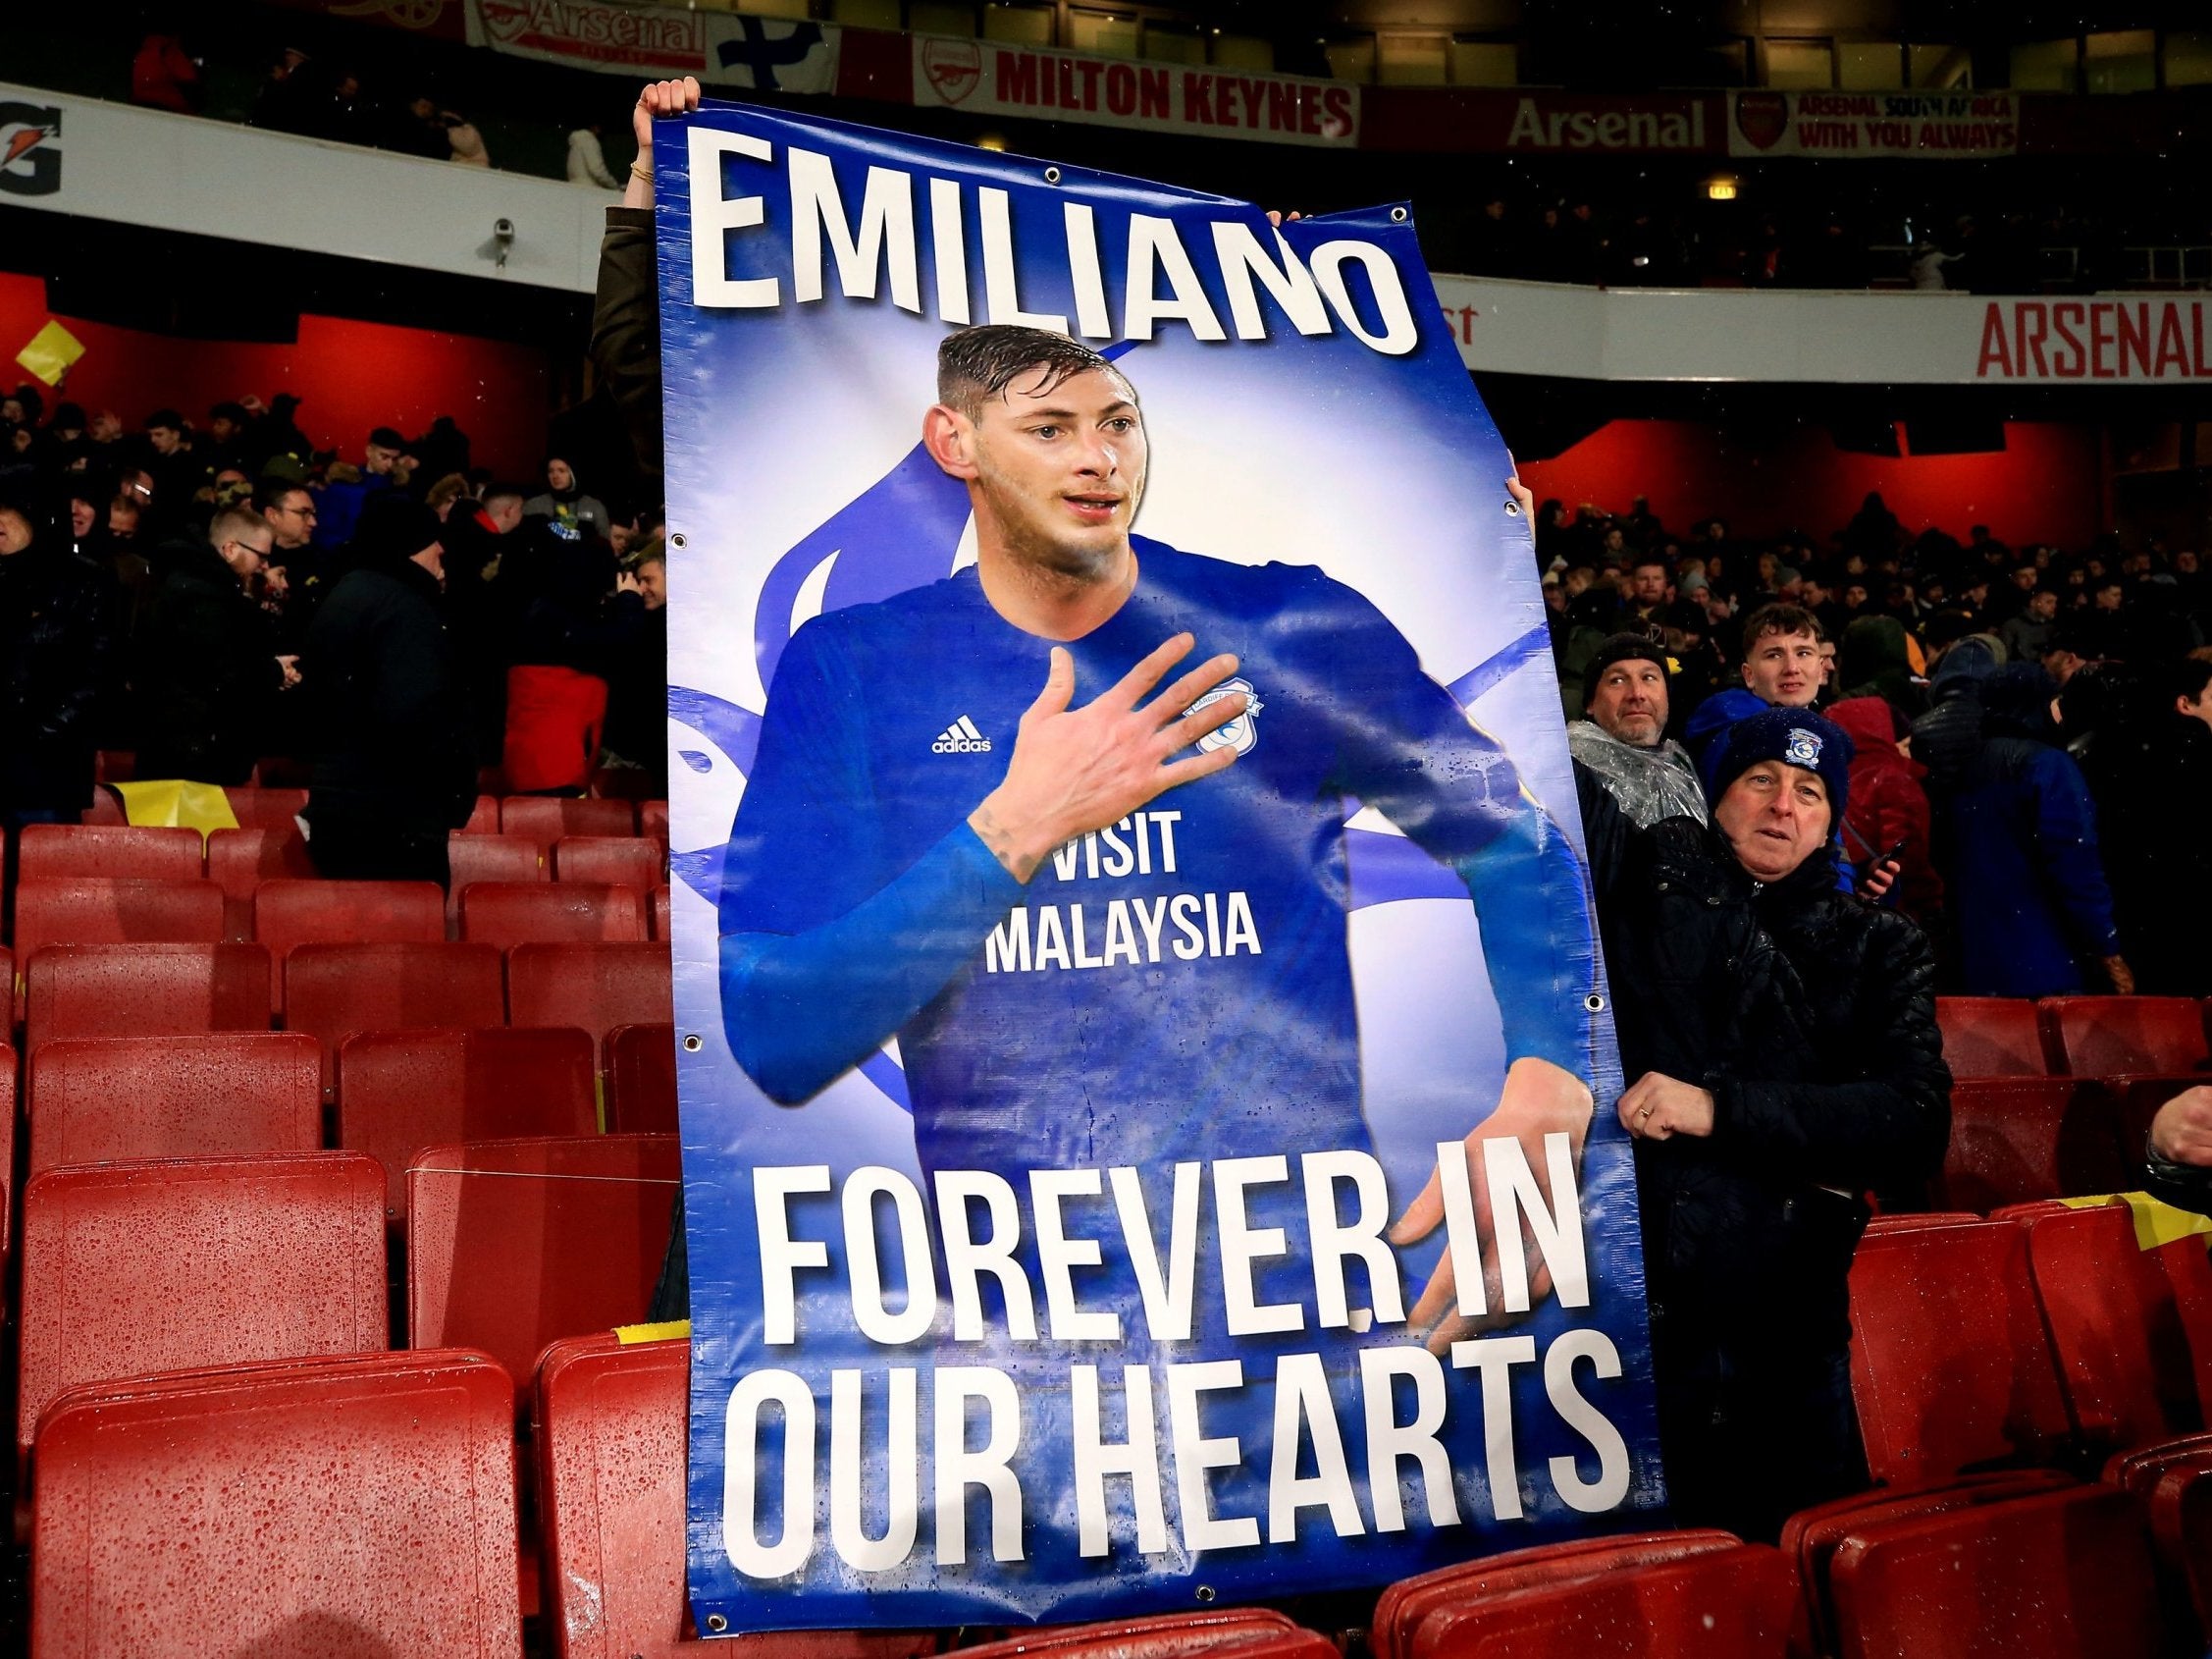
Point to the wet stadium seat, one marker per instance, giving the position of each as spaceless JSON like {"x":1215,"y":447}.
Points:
{"x":229,"y":1095}
{"x":487,"y":858}
{"x":2054,"y":1575}
{"x":145,"y":990}
{"x":1949,"y":1365}
{"x":1812,"y":1537}
{"x":2018,"y":1138}
{"x":512,"y":913}
{"x":547,"y":818}
{"x":2105,"y":1036}
{"x":514,"y":1244}
{"x":2130,"y":1328}
{"x":1405,"y":1606}
{"x":7,"y":1135}
{"x":380,"y":1519}
{"x":107,"y":910}
{"x":268,"y":809}
{"x":641,"y":1079}
{"x":629,"y":861}
{"x":1991,"y":1036}
{"x":159,"y":1265}
{"x":314,"y":912}
{"x":400,"y":1091}
{"x":1733,"y":1603}
{"x":595,"y":986}
{"x":1910,"y":1220}
{"x":238,"y":861}
{"x":124,"y":851}
{"x":106,"y":807}
{"x":1247,"y":1633}
{"x":334,"y":990}
{"x":653,"y":819}
{"x":483,"y":818}
{"x":663,"y":901}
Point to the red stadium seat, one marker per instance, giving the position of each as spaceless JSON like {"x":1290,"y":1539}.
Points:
{"x":547,"y":818}
{"x":106,"y":808}
{"x":334,"y":990}
{"x":487,"y":858}
{"x":1721,"y":1604}
{"x":104,"y":910}
{"x":268,"y":809}
{"x":345,"y":1508}
{"x":124,"y":851}
{"x":1405,"y":1607}
{"x":1991,"y":1036}
{"x":2130,"y":1328}
{"x":641,"y":1079}
{"x":238,"y":861}
{"x":282,"y":771}
{"x":663,"y":903}
{"x":156,"y":1265}
{"x":400,"y":1091}
{"x":1247,"y":1633}
{"x":512,"y":913}
{"x":2104,"y":1036}
{"x":2018,"y":1138}
{"x":293,"y":913}
{"x":115,"y":766}
{"x":7,"y":1135}
{"x":231,"y":1096}
{"x":597,"y":987}
{"x":1949,"y":1365}
{"x":653,"y":819}
{"x":1812,"y":1537}
{"x":1912,"y":1220}
{"x":483,"y":818}
{"x":145,"y":990}
{"x":629,"y":861}
{"x":2050,"y":1577}
{"x":514,"y":1244}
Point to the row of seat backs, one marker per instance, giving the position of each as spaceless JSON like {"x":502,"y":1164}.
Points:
{"x":2047,"y":1338}
{"x":544,"y":819}
{"x":239,"y":1093}
{"x":2014,"y":1139}
{"x":334,"y":990}
{"x":2071,"y":1035}
{"x":291,"y":911}
{"x":150,"y":1266}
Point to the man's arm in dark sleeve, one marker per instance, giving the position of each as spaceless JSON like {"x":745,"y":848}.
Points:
{"x":1886,"y":1128}
{"x":626,"y":345}
{"x":824,"y":952}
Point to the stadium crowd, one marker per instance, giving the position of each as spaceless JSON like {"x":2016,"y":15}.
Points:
{"x":2031,"y":728}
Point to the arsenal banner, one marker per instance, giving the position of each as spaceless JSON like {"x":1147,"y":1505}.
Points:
{"x":1146,"y":1068}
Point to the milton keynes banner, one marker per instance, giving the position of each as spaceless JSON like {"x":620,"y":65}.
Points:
{"x":1110,"y":1203}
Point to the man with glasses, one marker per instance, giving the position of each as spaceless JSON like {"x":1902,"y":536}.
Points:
{"x":208,"y":667}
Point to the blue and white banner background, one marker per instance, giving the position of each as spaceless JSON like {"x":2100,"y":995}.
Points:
{"x":891,"y":1430}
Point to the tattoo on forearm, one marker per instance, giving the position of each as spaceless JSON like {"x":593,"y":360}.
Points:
{"x":995,"y":836}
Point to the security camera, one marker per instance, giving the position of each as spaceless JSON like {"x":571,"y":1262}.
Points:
{"x":502,"y":230}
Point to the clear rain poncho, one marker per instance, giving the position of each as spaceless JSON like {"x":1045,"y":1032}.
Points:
{"x":1648,"y":785}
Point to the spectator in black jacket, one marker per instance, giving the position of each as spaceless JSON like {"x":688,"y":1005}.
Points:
{"x":394,"y":772}
{"x":58,"y":638}
{"x":207,"y":660}
{"x":1783,"y":1039}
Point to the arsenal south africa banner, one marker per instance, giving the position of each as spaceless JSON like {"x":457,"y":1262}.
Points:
{"x":1146,"y":1068}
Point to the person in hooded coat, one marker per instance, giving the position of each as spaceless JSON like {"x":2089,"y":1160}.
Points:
{"x":1946,"y":738}
{"x":59,"y":636}
{"x":1875,"y":659}
{"x":2023,"y":865}
{"x":1888,"y":806}
{"x":394,"y":770}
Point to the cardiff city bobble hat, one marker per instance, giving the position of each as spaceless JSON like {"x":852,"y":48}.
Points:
{"x":1793,"y":736}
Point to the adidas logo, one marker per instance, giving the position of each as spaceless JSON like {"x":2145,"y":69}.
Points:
{"x":962,"y":738}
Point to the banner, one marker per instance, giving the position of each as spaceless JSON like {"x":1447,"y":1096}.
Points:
{"x":1884,"y":126}
{"x":660,"y":42}
{"x":1105,"y":1195}
{"x":1501,"y":121}
{"x":987,"y":78}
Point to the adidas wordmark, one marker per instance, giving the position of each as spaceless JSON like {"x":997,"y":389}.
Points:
{"x":962,"y":738}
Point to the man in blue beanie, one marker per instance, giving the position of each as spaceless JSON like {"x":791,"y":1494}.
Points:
{"x":1782,"y":1041}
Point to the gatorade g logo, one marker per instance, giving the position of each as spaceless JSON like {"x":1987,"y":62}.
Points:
{"x":31,"y":151}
